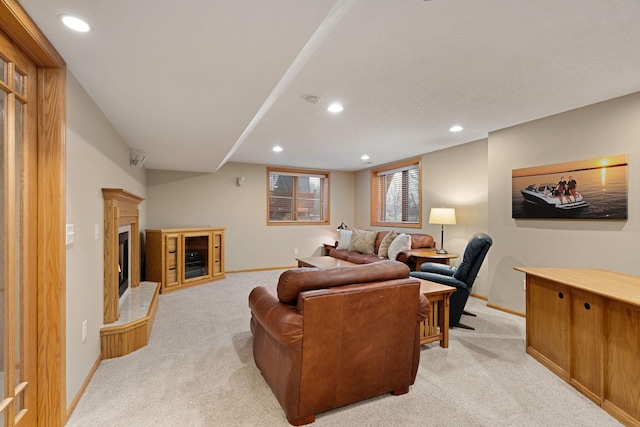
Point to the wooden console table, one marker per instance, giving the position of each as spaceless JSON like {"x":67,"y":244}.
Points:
{"x":323,"y":262}
{"x":584,"y":325}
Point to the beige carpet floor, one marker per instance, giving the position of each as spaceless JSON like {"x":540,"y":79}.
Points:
{"x":198,"y":370}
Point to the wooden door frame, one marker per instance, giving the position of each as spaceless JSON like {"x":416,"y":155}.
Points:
{"x":51,"y":357}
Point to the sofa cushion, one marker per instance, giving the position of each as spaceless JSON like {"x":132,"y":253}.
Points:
{"x":363,"y":241}
{"x":383,"y":249}
{"x":401,"y":243}
{"x":344,"y":240}
{"x":422,"y":241}
{"x":358,"y":258}
{"x":335,"y":253}
{"x":294,"y":281}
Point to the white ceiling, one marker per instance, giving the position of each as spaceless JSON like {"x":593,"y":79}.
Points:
{"x":197,"y":83}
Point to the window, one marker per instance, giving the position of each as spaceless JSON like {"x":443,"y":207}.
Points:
{"x":395,"y":195}
{"x":298,"y":196}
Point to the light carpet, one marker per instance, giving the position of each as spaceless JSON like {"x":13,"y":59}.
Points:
{"x":198,"y":370}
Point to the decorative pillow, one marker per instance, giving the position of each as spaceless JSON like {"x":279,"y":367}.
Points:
{"x":399,"y":244}
{"x":344,"y":240}
{"x":363,"y":241}
{"x":386,"y":241}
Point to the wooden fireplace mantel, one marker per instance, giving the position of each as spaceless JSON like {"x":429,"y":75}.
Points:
{"x":120,"y":208}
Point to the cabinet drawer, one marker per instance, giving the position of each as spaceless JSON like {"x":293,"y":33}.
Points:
{"x":172,"y":260}
{"x":172,"y":244}
{"x":172,"y":276}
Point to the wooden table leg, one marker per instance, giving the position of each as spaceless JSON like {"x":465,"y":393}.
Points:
{"x":444,"y":322}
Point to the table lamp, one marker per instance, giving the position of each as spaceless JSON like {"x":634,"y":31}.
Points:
{"x":442,"y":216}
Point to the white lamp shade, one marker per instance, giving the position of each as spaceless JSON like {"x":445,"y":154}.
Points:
{"x":442,"y":216}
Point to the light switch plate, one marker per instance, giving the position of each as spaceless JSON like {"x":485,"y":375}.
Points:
{"x":96,"y":232}
{"x":70,"y":234}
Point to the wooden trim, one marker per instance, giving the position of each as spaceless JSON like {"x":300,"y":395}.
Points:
{"x":30,"y":242}
{"x":15,"y":22}
{"x":83,"y":387}
{"x":51,"y":246}
{"x":506,"y":310}
{"x":482,"y":297}
{"x":297,"y":171}
{"x":374,"y":203}
{"x":119,"y":340}
{"x":51,"y":215}
{"x":120,"y":208}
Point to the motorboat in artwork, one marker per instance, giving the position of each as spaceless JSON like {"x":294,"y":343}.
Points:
{"x":545,"y":194}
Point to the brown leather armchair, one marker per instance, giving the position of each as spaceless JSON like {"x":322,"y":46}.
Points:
{"x":326,"y":338}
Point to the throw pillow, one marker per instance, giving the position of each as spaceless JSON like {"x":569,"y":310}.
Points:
{"x":383,"y":250}
{"x":363,"y":241}
{"x":344,"y":240}
{"x":399,"y":244}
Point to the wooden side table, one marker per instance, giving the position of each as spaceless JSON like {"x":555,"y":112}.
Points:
{"x":326,"y":247}
{"x":430,"y":255}
{"x":436,"y":326}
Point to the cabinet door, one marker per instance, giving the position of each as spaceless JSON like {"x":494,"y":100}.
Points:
{"x":218,"y":262}
{"x":196,"y":249}
{"x":548,"y":314}
{"x":171,"y":260}
{"x":622,"y":372}
{"x":587,"y":344}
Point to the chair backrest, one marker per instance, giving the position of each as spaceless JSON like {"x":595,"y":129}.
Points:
{"x":473,"y":257}
{"x":297,"y":280}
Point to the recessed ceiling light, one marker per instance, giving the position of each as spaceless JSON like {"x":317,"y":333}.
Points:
{"x":75,"y":23}
{"x":456,"y":128}
{"x":364,"y":157}
{"x":335,"y":108}
{"x":277,"y":149}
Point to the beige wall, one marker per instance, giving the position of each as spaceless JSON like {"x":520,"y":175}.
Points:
{"x":452,"y":178}
{"x":185,"y":199}
{"x":606,"y":128}
{"x":96,"y":157}
{"x":474,"y":178}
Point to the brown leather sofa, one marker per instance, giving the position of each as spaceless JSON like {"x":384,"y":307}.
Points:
{"x":418,"y":241}
{"x":325,"y":338}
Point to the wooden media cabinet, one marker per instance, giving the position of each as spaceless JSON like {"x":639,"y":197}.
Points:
{"x":182,"y":257}
{"x":584,"y":325}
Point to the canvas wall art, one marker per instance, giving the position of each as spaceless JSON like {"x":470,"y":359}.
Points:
{"x":581,"y":189}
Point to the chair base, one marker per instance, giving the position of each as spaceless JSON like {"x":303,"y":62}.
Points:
{"x":463,"y":326}
{"x":469,"y":314}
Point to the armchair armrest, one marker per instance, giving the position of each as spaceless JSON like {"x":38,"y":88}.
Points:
{"x":424,"y":308}
{"x":434,"y":267}
{"x":281,"y":321}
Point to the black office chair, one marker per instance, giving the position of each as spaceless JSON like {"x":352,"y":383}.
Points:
{"x":461,"y":277}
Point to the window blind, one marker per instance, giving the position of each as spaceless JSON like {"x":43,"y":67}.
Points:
{"x":397,"y":195}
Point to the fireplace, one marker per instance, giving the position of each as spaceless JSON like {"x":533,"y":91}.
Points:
{"x":120,"y":214}
{"x":124,"y":262}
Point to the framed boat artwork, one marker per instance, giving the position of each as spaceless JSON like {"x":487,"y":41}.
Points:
{"x":581,"y":189}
